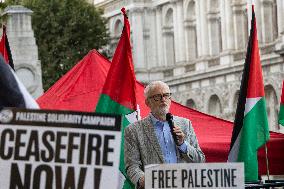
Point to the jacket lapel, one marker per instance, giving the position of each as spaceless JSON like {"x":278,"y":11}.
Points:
{"x":177,"y":123}
{"x":151,"y":134}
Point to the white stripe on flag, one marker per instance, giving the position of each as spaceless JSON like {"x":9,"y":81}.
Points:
{"x":250,"y":102}
{"x":234,"y":152}
{"x":134,"y":116}
{"x":29,"y":100}
{"x":121,"y":180}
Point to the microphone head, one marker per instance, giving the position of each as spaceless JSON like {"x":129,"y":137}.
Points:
{"x":169,"y":117}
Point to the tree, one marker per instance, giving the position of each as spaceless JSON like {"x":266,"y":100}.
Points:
{"x":65,"y":31}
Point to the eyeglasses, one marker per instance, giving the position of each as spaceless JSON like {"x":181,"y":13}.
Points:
{"x":158,"y":97}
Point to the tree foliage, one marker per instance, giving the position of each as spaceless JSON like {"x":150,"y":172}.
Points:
{"x":65,"y":30}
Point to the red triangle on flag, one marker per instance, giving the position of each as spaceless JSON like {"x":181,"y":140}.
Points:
{"x":255,"y":83}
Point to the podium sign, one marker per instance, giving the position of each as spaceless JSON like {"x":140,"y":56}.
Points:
{"x":58,"y":149}
{"x":195,"y":175}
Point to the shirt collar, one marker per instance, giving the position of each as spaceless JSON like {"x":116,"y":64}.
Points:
{"x":155,"y":120}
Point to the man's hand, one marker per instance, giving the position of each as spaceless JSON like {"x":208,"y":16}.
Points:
{"x":180,"y":135}
{"x":141,"y":183}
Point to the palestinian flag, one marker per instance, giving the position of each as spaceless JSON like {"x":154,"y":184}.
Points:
{"x":5,"y":49}
{"x":251,"y":125}
{"x":119,"y":91}
{"x":281,"y":111}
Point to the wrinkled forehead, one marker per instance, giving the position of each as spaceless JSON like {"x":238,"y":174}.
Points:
{"x":159,"y":89}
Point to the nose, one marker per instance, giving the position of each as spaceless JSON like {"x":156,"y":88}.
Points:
{"x":164,"y":98}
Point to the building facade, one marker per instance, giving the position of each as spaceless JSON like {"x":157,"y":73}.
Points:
{"x":198,"y":47}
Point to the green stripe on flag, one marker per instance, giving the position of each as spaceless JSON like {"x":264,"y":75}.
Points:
{"x":281,"y":115}
{"x":107,"y":105}
{"x":255,"y":133}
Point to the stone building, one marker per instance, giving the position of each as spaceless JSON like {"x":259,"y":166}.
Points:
{"x":23,"y":48}
{"x":198,"y":47}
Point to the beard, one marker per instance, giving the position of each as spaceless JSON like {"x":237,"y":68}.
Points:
{"x":161,"y":112}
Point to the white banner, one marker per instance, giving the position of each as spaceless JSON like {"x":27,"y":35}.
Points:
{"x":58,"y":149}
{"x":195,"y":175}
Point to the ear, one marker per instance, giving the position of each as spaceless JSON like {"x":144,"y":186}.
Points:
{"x":147,"y":102}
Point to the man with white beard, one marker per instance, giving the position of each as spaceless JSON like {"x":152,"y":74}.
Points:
{"x":150,"y":141}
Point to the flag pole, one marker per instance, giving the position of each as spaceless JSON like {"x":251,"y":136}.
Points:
{"x":138,"y":116}
{"x":267,"y":165}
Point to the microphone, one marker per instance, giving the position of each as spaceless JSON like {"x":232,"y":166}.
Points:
{"x":169,"y":118}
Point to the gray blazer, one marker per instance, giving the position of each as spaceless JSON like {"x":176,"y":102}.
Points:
{"x":141,"y":146}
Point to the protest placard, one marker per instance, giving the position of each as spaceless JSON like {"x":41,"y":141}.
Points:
{"x":58,"y":149}
{"x":195,"y":175}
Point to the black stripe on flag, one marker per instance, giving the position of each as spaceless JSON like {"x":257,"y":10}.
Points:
{"x":10,"y":92}
{"x":5,"y":49}
{"x":11,"y":63}
{"x":239,"y":116}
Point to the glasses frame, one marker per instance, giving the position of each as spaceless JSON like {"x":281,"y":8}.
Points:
{"x":159,"y":97}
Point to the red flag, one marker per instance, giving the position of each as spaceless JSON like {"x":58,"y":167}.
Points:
{"x":120,"y":84}
{"x":119,"y":91}
{"x":5,"y":48}
{"x":250,"y":130}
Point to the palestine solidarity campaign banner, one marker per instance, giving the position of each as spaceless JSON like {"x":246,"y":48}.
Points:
{"x":58,"y":149}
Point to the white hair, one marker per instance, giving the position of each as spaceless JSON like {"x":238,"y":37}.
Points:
{"x":152,"y":85}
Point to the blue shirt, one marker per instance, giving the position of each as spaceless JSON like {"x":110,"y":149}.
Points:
{"x":166,"y":141}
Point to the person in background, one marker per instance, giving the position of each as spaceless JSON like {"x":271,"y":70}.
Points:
{"x":150,"y":141}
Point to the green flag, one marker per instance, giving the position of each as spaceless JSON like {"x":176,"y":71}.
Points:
{"x":119,"y":91}
{"x":250,"y":126}
{"x":281,"y":111}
